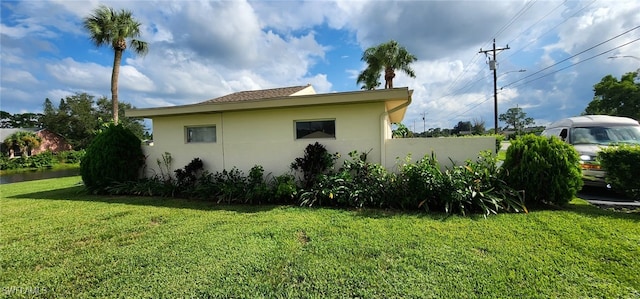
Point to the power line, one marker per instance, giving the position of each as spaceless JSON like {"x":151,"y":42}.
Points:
{"x":554,"y":27}
{"x":526,"y":7}
{"x":579,"y":62}
{"x":572,"y":56}
{"x":538,"y":21}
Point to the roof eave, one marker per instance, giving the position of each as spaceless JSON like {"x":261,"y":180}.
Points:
{"x":395,"y":95}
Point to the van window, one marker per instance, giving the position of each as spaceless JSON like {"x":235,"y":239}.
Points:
{"x":605,"y":135}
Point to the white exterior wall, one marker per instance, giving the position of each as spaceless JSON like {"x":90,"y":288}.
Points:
{"x":266,"y":137}
{"x":459,"y":149}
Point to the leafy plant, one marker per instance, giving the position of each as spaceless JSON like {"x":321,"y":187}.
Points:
{"x":476,"y":188}
{"x":547,"y":169}
{"x":367,"y":182}
{"x":622,"y":164}
{"x":257,"y":189}
{"x":283,"y":188}
{"x":187,"y":176}
{"x":316,"y":161}
{"x":165,"y":166}
{"x":115,"y":155}
{"x":419,"y":184}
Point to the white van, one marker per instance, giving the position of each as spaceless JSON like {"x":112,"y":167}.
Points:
{"x":588,"y":134}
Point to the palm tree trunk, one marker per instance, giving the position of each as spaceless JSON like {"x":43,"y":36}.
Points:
{"x":117,"y":57}
{"x":389,"y":74}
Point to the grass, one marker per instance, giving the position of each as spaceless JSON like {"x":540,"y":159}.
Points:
{"x":57,"y":242}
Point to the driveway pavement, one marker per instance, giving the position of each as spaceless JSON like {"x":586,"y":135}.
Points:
{"x":607,"y":198}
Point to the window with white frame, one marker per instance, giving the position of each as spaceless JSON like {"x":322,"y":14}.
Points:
{"x":199,"y":134}
{"x":312,"y":129}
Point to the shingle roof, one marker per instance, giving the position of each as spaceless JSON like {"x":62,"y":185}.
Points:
{"x":4,"y":133}
{"x":256,"y":95}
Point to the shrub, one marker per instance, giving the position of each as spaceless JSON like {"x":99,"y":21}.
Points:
{"x":257,"y":190}
{"x":622,"y":164}
{"x":316,"y":161}
{"x":284,"y":189}
{"x":547,"y":169}
{"x":366,"y":182}
{"x":188,"y":176}
{"x":419,"y":184}
{"x":230,"y":186}
{"x":70,"y":157}
{"x":476,"y":188}
{"x":114,"y":155}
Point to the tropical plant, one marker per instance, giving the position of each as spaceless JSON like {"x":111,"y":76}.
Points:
{"x":387,"y":57}
{"x":23,"y":141}
{"x":370,"y":79}
{"x":316,"y":161}
{"x":110,"y":27}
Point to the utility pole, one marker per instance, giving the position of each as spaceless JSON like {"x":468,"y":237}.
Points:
{"x":424,"y":122}
{"x":493,"y":65}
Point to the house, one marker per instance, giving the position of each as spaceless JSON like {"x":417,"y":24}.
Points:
{"x":50,"y":141}
{"x":272,"y":127}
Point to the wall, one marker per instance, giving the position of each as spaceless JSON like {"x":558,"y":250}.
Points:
{"x":51,"y":142}
{"x":459,"y":149}
{"x":265,"y":137}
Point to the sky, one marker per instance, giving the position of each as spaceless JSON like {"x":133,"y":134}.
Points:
{"x":199,"y":50}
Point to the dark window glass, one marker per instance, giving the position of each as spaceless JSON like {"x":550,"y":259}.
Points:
{"x":315,"y":129}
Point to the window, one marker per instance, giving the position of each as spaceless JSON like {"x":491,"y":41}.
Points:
{"x":316,"y":129}
{"x":200,"y":134}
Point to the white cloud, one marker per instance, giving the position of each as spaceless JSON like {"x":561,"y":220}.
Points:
{"x":17,"y":76}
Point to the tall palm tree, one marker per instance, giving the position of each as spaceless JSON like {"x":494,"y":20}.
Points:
{"x":389,"y":57}
{"x":110,"y":27}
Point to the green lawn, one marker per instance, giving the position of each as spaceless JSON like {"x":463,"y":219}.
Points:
{"x":56,"y":241}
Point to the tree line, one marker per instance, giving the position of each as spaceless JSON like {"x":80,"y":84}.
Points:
{"x":78,"y":118}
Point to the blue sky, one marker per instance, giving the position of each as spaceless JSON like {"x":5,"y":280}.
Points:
{"x":201,"y":50}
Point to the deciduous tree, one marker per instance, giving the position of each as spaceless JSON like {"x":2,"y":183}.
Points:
{"x":616,"y":97}
{"x":516,"y":118}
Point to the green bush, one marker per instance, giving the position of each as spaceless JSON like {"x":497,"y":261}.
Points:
{"x":188,"y":176}
{"x":622,"y":164}
{"x":114,"y":155}
{"x":547,"y":169}
{"x":70,"y":157}
{"x":419,"y":185}
{"x":315,"y":162}
{"x":476,"y":188}
{"x":357,"y":184}
{"x":284,"y":189}
{"x":42,"y":160}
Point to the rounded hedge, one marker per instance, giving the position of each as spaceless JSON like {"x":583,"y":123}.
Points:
{"x":547,"y":169}
{"x":115,"y":155}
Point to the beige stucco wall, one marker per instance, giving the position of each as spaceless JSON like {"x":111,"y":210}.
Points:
{"x":266,"y":137}
{"x":459,"y":149}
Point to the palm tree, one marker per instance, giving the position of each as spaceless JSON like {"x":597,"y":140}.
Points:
{"x":24,"y":141}
{"x":369,"y":79}
{"x":110,"y":27}
{"x":389,"y":57}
